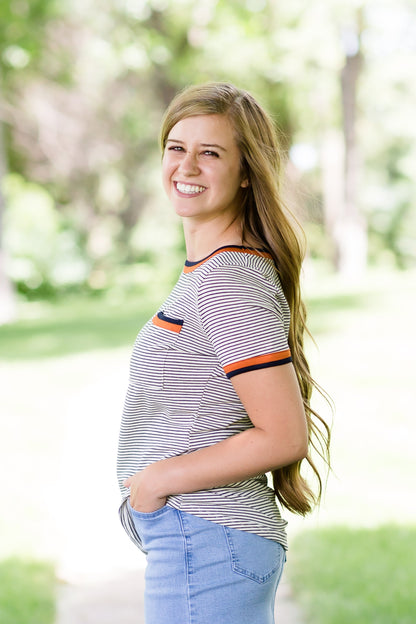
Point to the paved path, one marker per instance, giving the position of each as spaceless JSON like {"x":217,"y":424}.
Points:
{"x":101,"y":571}
{"x":120,"y":601}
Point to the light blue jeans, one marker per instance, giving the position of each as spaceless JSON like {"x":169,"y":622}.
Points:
{"x":200,"y":572}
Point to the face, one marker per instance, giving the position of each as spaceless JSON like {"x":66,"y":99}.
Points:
{"x":201,"y":168}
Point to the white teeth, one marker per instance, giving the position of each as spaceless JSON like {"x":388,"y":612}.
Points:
{"x":189,"y":189}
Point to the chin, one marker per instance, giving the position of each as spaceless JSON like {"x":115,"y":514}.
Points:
{"x":184,"y":211}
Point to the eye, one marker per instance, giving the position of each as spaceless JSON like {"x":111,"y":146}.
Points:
{"x":211,"y":153}
{"x":175,"y":148}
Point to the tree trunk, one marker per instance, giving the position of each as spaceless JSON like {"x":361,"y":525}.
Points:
{"x":351,"y":233}
{"x":332,"y":164}
{"x":340,"y":172}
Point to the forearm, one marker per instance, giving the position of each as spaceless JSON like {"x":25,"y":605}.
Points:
{"x":279,"y":437}
{"x":239,"y":457}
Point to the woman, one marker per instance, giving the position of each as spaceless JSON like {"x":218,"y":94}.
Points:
{"x":219,"y":385}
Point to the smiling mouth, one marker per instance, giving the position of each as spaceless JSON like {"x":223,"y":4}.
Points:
{"x":189,"y":189}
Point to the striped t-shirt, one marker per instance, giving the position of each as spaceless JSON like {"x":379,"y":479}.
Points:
{"x":226,"y":315}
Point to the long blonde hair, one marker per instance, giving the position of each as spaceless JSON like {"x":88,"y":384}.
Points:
{"x":267,"y":222}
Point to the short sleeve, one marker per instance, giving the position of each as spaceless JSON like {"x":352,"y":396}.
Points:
{"x":245,"y":317}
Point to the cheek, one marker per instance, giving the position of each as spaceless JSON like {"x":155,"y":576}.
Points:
{"x":232,"y":182}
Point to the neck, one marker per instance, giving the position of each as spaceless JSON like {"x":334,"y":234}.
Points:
{"x":204,"y":238}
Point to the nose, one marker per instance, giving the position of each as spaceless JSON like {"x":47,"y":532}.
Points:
{"x":189,"y":164}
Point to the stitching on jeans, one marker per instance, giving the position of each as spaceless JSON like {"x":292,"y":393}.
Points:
{"x":238,"y":569}
{"x":148,"y":515}
{"x":188,"y":561}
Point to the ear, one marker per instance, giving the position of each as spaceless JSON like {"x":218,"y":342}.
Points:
{"x":245,"y":183}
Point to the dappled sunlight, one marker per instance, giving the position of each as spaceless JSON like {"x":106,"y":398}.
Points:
{"x":89,"y":246}
{"x":366,"y":366}
{"x":60,"y":435}
{"x":62,"y":416}
{"x":62,"y":419}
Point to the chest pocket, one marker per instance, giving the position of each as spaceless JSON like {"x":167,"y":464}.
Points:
{"x":166,"y":322}
{"x":151,"y":351}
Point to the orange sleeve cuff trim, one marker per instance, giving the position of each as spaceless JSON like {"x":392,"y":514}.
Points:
{"x":258,"y":361}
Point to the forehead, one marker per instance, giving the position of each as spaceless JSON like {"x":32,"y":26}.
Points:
{"x":216,"y":128}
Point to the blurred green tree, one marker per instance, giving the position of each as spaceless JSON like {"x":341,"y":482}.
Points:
{"x":82,"y":105}
{"x":22,"y":27}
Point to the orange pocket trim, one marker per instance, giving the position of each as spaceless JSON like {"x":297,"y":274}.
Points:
{"x":160,"y":320}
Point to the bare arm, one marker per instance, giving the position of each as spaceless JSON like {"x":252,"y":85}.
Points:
{"x":272,"y":399}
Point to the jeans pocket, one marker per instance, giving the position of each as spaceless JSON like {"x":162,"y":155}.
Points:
{"x":255,"y":557}
{"x":128,"y":525}
{"x":147,"y":515}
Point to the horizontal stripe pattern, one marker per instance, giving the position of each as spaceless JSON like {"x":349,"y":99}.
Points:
{"x":232,"y":317}
{"x":128,"y":525}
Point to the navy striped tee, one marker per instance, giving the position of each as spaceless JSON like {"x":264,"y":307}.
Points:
{"x":226,"y":315}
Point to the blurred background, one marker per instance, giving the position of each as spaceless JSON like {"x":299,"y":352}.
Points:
{"x":89,"y":247}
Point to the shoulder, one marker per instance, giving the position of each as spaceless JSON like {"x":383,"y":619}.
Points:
{"x":244,"y":265}
{"x":238,"y":283}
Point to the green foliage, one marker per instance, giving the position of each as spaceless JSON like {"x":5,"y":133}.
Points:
{"x":44,"y":252}
{"x":389,"y":199}
{"x":85,"y":84}
{"x":76,"y":325}
{"x":21,"y":28}
{"x":343,"y":575}
{"x":27,"y":591}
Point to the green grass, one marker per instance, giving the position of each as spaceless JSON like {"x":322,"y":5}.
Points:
{"x":361,"y":576}
{"x":75,"y":325}
{"x":80,"y":324}
{"x":64,"y":366}
{"x":26,"y":592}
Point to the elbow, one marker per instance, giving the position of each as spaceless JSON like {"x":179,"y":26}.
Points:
{"x":303,"y":445}
{"x":299,"y":451}
{"x":293,"y":453}
{"x":302,"y":452}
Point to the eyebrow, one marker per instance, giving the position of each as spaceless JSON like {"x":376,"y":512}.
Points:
{"x":215,"y":145}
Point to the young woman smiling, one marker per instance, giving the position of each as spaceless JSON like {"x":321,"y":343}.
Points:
{"x":219,"y":391}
